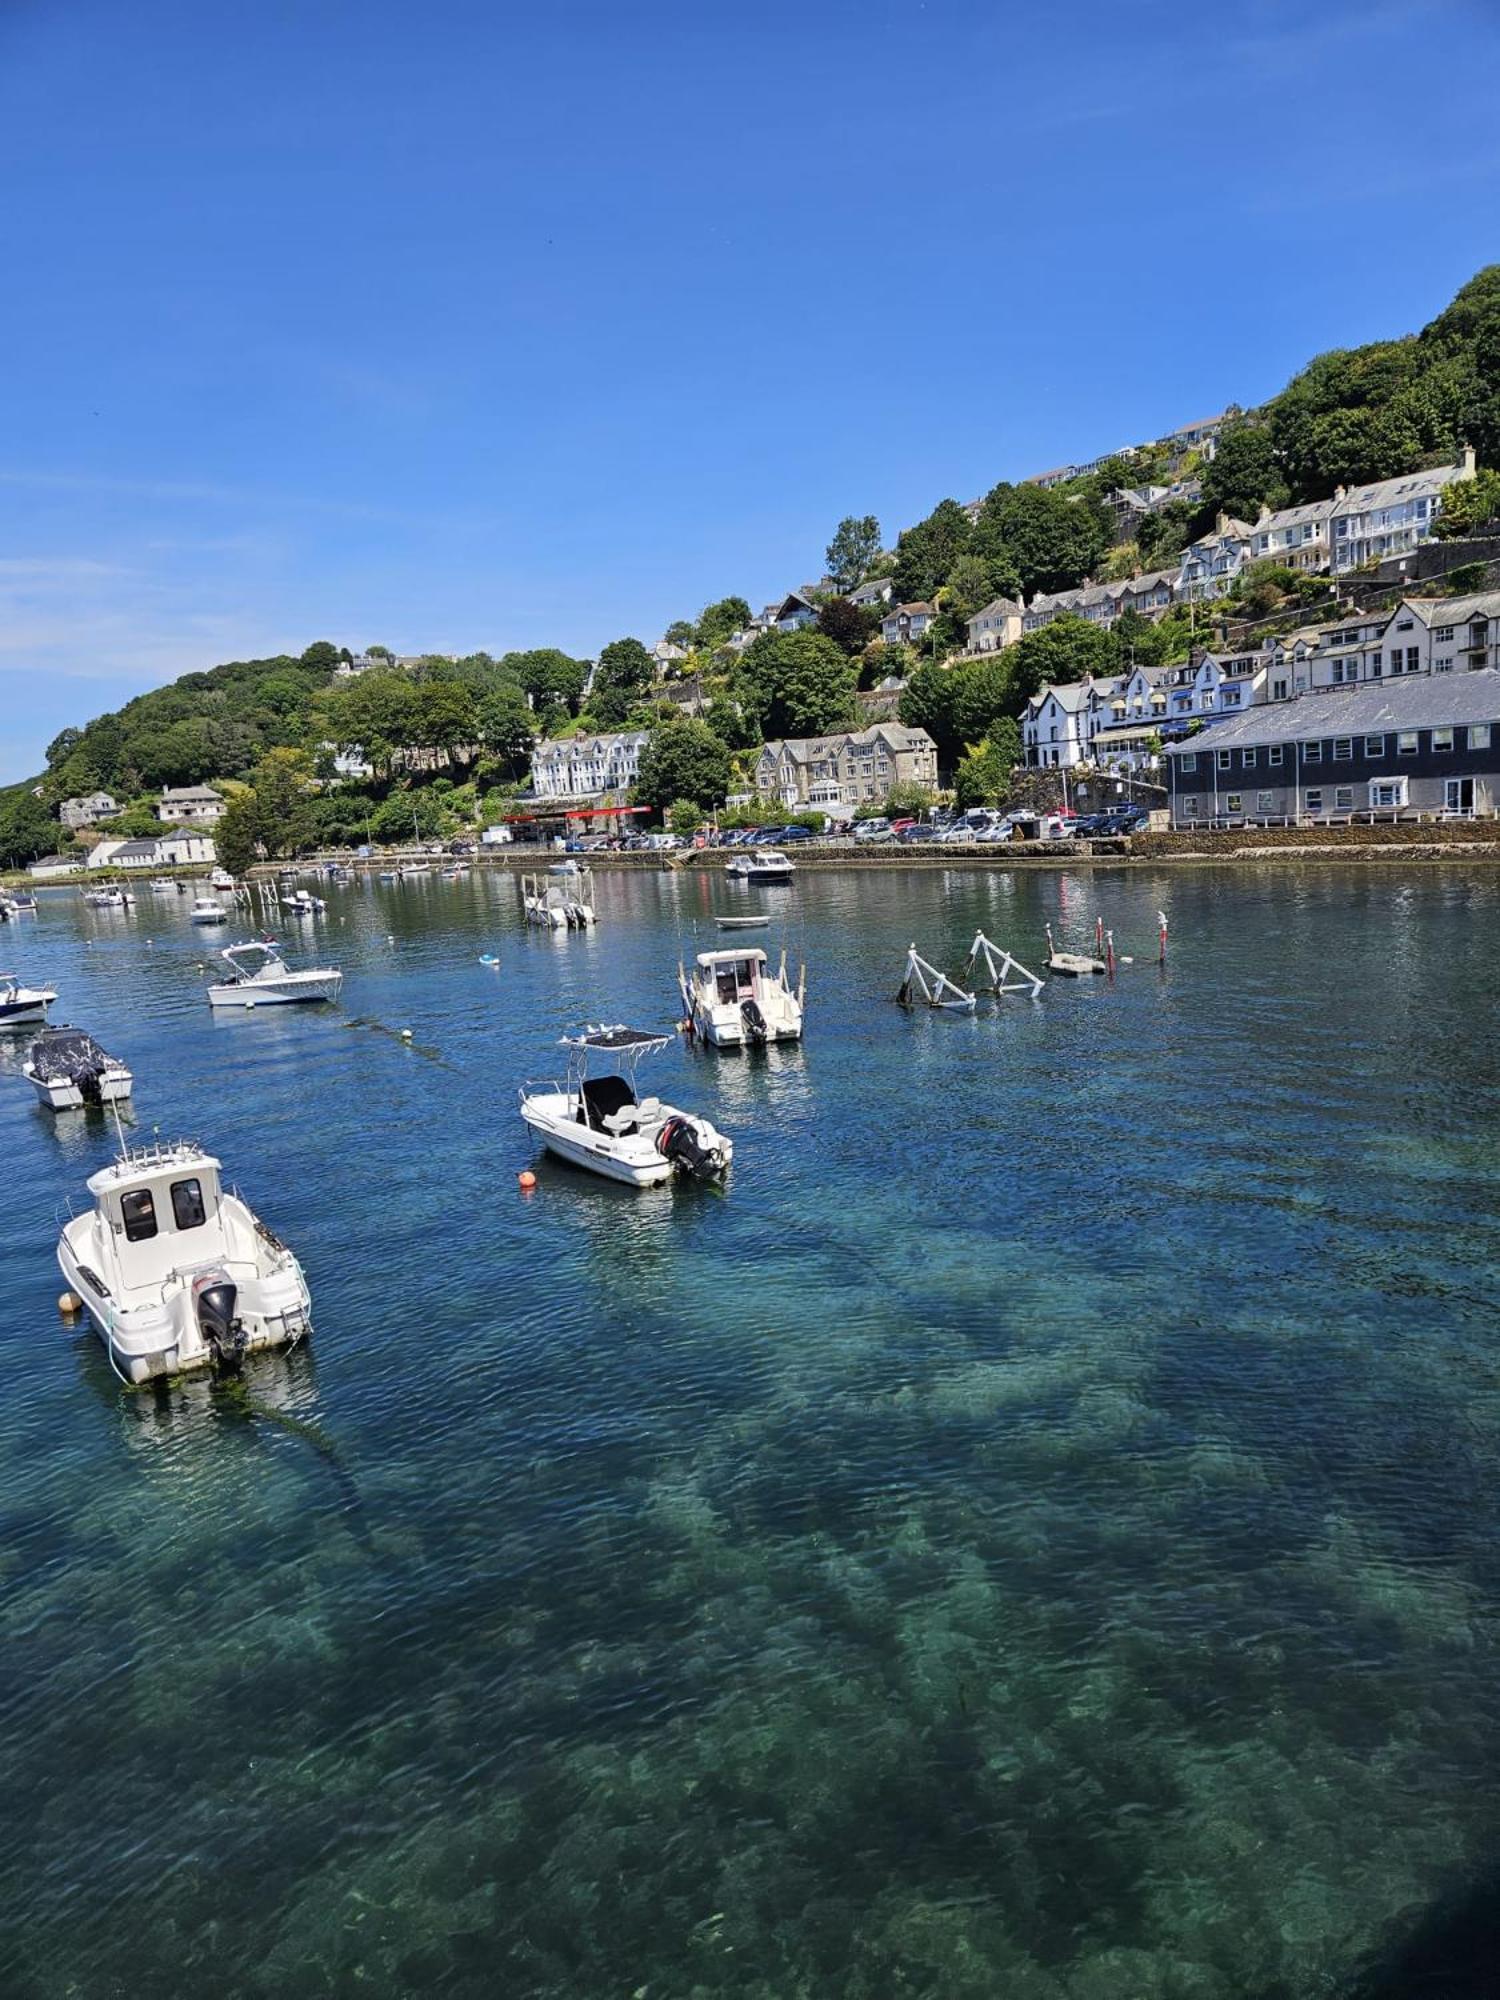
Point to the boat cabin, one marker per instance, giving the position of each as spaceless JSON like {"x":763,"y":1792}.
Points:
{"x":160,"y":1205}
{"x":730,"y":976}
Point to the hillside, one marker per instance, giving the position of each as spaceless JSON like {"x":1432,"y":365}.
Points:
{"x":434,"y":738}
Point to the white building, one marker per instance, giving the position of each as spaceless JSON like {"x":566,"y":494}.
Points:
{"x":48,"y":865}
{"x":195,"y":805}
{"x":1210,"y":565}
{"x":171,"y":850}
{"x":1392,"y":516}
{"x":997,"y":626}
{"x":1296,"y":537}
{"x":904,"y":624}
{"x":852,"y":768}
{"x":581,"y":767}
{"x":84,"y":811}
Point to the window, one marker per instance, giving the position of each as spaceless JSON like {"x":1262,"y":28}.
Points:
{"x":1278,"y":690}
{"x":1226,"y":758}
{"x":1276,"y":754}
{"x":1396,"y":661}
{"x":1343,"y":798}
{"x":1374,"y":746}
{"x":1343,"y":749}
{"x":1190,"y":808}
{"x":1413,"y":659}
{"x":1312,"y":753}
{"x":1442,"y":632}
{"x":1189,"y":761}
{"x":1443,"y":664}
{"x":139,"y":1212}
{"x":1479,"y":736}
{"x":1313,"y":801}
{"x":1263,"y":801}
{"x":1405,"y":625}
{"x":187,"y":1204}
{"x":1442,"y":739}
{"x":1406,"y":743}
{"x":1387,"y":794}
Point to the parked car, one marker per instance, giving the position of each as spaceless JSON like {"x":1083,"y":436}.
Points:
{"x":788,"y":836}
{"x":873,"y":829}
{"x":900,"y":825}
{"x":913,"y":832}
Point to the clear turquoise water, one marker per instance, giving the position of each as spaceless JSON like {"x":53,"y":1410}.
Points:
{"x":1035,"y":1534}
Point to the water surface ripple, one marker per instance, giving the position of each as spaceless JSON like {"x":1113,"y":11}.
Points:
{"x":1033,"y":1533}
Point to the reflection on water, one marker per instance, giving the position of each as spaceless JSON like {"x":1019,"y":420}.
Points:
{"x":1032,"y":1532}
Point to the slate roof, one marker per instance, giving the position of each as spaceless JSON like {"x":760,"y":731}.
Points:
{"x":1419,"y":701}
{"x":1360,"y":499}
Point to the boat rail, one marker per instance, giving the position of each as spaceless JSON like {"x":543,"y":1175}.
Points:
{"x":158,"y":1152}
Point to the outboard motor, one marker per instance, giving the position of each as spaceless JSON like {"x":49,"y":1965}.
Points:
{"x":754,"y":1021}
{"x":90,"y":1080}
{"x":214,"y":1299}
{"x":678,"y":1142}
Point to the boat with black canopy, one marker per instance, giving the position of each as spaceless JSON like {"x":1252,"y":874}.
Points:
{"x":68,"y":1069}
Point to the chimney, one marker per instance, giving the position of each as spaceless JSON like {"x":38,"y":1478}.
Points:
{"x":1221,"y":522}
{"x":1466,"y":462}
{"x":1339,"y":492}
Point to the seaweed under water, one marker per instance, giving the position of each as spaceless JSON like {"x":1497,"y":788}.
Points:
{"x":1034,"y":1535}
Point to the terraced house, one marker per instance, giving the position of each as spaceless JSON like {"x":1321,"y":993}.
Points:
{"x":1391,"y":516}
{"x":1425,"y":745}
{"x":855,"y":768}
{"x":586,"y":767}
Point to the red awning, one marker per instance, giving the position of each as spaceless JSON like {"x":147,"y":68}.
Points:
{"x":572,"y":812}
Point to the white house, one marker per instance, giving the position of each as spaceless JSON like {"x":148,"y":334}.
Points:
{"x":795,"y":612}
{"x":666,"y":654}
{"x":51,"y":864}
{"x":1296,"y":537}
{"x":876,"y":591}
{"x":1210,"y":565}
{"x":581,"y":767}
{"x":170,"y":850}
{"x":1051,"y":726}
{"x":1391,"y":516}
{"x":997,"y":626}
{"x":190,"y":805}
{"x":86,"y":810}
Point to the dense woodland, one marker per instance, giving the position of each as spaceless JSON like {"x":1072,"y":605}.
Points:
{"x":448,"y":742}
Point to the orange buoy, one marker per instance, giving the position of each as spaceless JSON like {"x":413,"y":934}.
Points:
{"x":526,"y":1179}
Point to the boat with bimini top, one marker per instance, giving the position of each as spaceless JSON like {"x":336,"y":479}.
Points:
{"x":260,"y":977}
{"x":174,"y":1272}
{"x":598,"y":1121}
{"x":67,"y":1069}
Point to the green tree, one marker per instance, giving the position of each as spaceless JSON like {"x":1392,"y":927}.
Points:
{"x":958,"y":705}
{"x":553,"y":679}
{"x":797,"y":684}
{"x":1245,"y":473}
{"x":925,"y":554}
{"x":506,"y":729}
{"x":681,"y":633}
{"x":321,"y":657}
{"x":721,"y":621}
{"x":983,"y":778}
{"x":62,"y":747}
{"x":1045,"y":540}
{"x":282,"y":786}
{"x":684,"y":816}
{"x":855,"y":545}
{"x":1068,"y":649}
{"x":236,"y":835}
{"x":970,"y":586}
{"x":445,"y":720}
{"x":1468,"y":505}
{"x":626,"y":672}
{"x":682,"y":760}
{"x":27,"y":829}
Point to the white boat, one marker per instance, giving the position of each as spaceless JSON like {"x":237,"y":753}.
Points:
{"x":16,"y":903}
{"x":734,"y":1000}
{"x":108,"y":899}
{"x":743,"y":923}
{"x":759,"y":864}
{"x":560,"y":900}
{"x":162,"y":886}
{"x":23,"y":1006}
{"x":208,"y":910}
{"x":260,"y":978}
{"x":220,"y":878}
{"x":303,"y":903}
{"x":174,"y":1272}
{"x":68,"y":1069}
{"x":598,"y":1121}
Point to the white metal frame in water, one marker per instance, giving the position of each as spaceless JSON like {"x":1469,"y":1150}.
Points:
{"x":936,"y":988}
{"x":1005,"y":970}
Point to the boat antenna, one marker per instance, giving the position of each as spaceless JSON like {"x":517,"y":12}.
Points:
{"x":114,"y":1106}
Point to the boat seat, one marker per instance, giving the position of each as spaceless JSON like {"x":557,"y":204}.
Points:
{"x":618,"y":1123}
{"x":648,"y":1109}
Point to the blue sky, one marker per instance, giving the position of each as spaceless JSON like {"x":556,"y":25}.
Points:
{"x":473,"y":325}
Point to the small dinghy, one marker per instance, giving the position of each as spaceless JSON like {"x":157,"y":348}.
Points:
{"x":221,"y":879}
{"x":208,"y":910}
{"x":743,"y":923}
{"x":68,"y":1069}
{"x":23,"y":1006}
{"x":174,"y":1272}
{"x":598,"y":1121}
{"x":735,"y":1001}
{"x":261,"y":978}
{"x":489,"y":958}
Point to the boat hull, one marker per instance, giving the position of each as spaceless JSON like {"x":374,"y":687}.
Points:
{"x":633,"y":1161}
{"x":62,"y":1094}
{"x":30,"y":1013}
{"x":295,"y":988}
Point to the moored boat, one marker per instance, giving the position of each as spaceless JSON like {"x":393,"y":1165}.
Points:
{"x":175,"y":1273}
{"x":734,"y":1000}
{"x":759,"y":864}
{"x":260,"y":977}
{"x":23,"y":1006}
{"x":68,"y":1069}
{"x":208,"y":910}
{"x":597,"y":1121}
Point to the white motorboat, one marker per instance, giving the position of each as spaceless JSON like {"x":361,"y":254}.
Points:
{"x":759,"y":864}
{"x":735,"y":1001}
{"x":220,"y":878}
{"x":560,"y":900}
{"x":259,"y":977}
{"x":68,"y":1069}
{"x":743,"y":923}
{"x":23,"y":1006}
{"x":303,"y":903}
{"x":208,"y":910}
{"x":16,"y":903}
{"x":108,"y":899}
{"x":598,"y":1121}
{"x":174,"y":1272}
{"x":161,"y":886}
